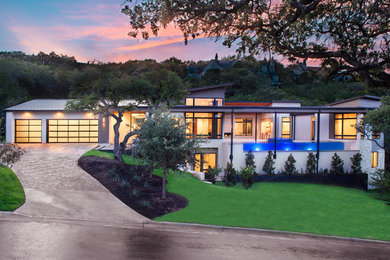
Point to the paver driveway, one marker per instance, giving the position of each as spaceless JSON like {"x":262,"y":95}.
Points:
{"x":57,"y":188}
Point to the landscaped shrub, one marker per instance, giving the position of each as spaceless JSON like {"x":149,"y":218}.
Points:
{"x":269,"y":163}
{"x":356,"y":160}
{"x":230,"y":175}
{"x":247,"y":177}
{"x":380,"y":180}
{"x":337,"y":165}
{"x":250,"y":160}
{"x":211,"y":174}
{"x":311,"y":164}
{"x":289,"y":166}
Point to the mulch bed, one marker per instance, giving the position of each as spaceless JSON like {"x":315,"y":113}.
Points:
{"x":133,"y":186}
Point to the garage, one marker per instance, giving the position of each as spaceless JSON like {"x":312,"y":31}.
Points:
{"x":72,"y":131}
{"x":28,"y":131}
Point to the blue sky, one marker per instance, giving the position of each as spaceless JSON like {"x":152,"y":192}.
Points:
{"x":91,"y":29}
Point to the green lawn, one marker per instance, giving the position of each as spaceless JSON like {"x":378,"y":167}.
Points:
{"x":11,"y":191}
{"x":311,"y":208}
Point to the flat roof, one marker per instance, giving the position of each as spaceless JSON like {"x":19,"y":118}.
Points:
{"x":375,"y":98}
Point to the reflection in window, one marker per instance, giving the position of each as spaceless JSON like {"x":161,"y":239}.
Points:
{"x":286,"y":126}
{"x":266,"y":129}
{"x":136,"y":120}
{"x":204,"y":125}
{"x":345,"y":126}
{"x":243,"y":126}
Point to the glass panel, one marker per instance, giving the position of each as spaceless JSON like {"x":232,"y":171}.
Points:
{"x":350,"y":116}
{"x":52,"y":140}
{"x":84,"y":122}
{"x":21,"y":140}
{"x":62,"y":134}
{"x":53,"y":128}
{"x":62,"y":140}
{"x":73,"y":134}
{"x":197,"y":162}
{"x":21,"y":122}
{"x":63,"y":128}
{"x":189,"y":126}
{"x":62,"y":122}
{"x":349,"y":127}
{"x":219,"y":101}
{"x":21,"y":128}
{"x":73,"y":128}
{"x":84,"y":128}
{"x":203,"y":126}
{"x":374,"y":159}
{"x":204,"y":101}
{"x":189,"y":114}
{"x":203,"y":114}
{"x":35,"y":128}
{"x":85,"y":140}
{"x":93,"y":140}
{"x":73,"y":140}
{"x":53,"y":122}
{"x":189,"y":102}
{"x":243,"y":126}
{"x":35,"y":122}
{"x":265,"y":129}
{"x":94,"y":122}
{"x":285,"y":127}
{"x":137,"y":120}
{"x":35,"y":134}
{"x":209,"y":160}
{"x":94,"y":128}
{"x":35,"y":140}
{"x":52,"y":134}
{"x":338,"y":116}
{"x":95,"y":134}
{"x":21,"y":134}
{"x":338,"y":127}
{"x":73,"y":122}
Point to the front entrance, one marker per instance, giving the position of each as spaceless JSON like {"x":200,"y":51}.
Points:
{"x":205,"y":160}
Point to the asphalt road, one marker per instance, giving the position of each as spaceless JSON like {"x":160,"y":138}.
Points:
{"x":27,"y":238}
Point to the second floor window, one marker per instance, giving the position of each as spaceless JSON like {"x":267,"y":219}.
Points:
{"x":243,"y":126}
{"x":345,"y":126}
{"x":286,"y":127}
{"x":209,"y":102}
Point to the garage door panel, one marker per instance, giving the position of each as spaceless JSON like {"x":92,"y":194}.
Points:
{"x":73,"y":131}
{"x":28,"y":131}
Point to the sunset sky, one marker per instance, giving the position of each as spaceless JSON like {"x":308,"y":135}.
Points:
{"x":91,"y":29}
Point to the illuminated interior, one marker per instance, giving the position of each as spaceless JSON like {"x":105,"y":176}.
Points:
{"x":73,"y":131}
{"x":130,"y":121}
{"x":344,"y":126}
{"x":374,"y":159}
{"x":243,"y":127}
{"x":286,"y":127}
{"x":28,"y":131}
{"x":206,"y":125}
{"x":204,"y":102}
{"x":266,"y":129}
{"x":205,"y":160}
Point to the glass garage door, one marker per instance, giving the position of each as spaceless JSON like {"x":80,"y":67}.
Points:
{"x":72,"y":131}
{"x":28,"y":131}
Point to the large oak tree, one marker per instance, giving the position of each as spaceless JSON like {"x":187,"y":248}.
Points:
{"x":347,"y":36}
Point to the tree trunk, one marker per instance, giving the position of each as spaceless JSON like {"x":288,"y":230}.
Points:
{"x":151,"y":168}
{"x":117,"y":152}
{"x":164,"y":186}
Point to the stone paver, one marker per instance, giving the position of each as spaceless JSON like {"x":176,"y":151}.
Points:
{"x":56,"y":187}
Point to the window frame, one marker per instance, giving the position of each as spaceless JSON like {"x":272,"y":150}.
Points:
{"x":216,"y":119}
{"x":48,"y":137}
{"x":342,"y":119}
{"x":289,"y":127}
{"x":191,"y":101}
{"x":28,"y":131}
{"x":245,"y":123}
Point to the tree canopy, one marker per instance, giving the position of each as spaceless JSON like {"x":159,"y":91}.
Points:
{"x":346,"y":36}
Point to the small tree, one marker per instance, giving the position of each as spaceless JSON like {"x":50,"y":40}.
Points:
{"x":230,"y":175}
{"x":211,"y":174}
{"x":163,"y":143}
{"x":356,"y":160}
{"x":311,"y":164}
{"x":247,"y":177}
{"x":380,"y":179}
{"x":9,"y":154}
{"x":269,"y":163}
{"x":337,"y":165}
{"x":289,"y":166}
{"x":250,"y":160}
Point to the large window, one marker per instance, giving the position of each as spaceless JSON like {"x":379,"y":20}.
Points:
{"x":204,"y":161}
{"x":204,"y":125}
{"x":243,"y":126}
{"x":73,"y":131}
{"x":28,"y":131}
{"x":136,"y":120}
{"x":345,"y":126}
{"x":210,"y":102}
{"x":265,"y":128}
{"x":286,"y":127}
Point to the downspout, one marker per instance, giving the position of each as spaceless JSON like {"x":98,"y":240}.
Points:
{"x":256,"y":130}
{"x":231,"y":138}
{"x":318,"y":138}
{"x":275,"y":131}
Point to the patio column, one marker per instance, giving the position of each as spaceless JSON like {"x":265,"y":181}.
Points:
{"x":318,"y":138}
{"x":256,"y":129}
{"x":231,"y":137}
{"x":275,"y":131}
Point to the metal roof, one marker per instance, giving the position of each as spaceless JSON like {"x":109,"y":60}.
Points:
{"x":355,"y":98}
{"x":40,"y":105}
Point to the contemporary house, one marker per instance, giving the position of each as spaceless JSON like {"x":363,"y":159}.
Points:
{"x":231,"y":128}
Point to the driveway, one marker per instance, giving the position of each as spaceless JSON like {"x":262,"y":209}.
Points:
{"x":57,"y":188}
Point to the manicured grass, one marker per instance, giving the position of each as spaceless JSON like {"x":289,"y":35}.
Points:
{"x":311,"y":208}
{"x":108,"y":155}
{"x":11,"y":191}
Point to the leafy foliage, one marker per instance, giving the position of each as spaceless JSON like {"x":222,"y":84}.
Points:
{"x":247,"y":175}
{"x":311,"y":164}
{"x":211,"y":174}
{"x":380,"y":179}
{"x":349,"y":37}
{"x":336,"y":165}
{"x":250,"y":159}
{"x":230,"y":175}
{"x":289,"y":166}
{"x":356,"y":160}
{"x":162,"y":143}
{"x":269,"y":163}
